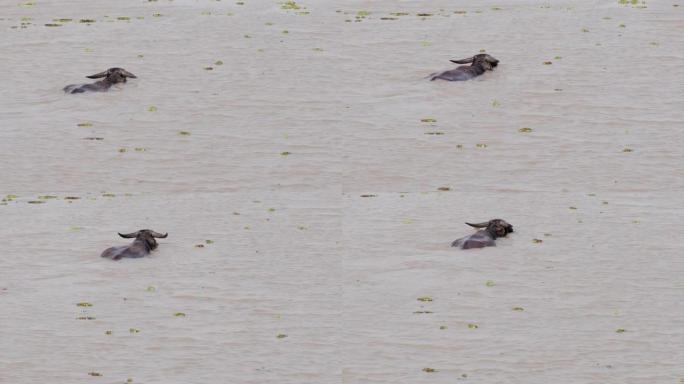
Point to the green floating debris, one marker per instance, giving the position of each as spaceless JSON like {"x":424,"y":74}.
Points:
{"x":289,"y":5}
{"x":108,"y":333}
{"x":424,"y":298}
{"x":84,"y":304}
{"x":480,"y":145}
{"x":152,"y":108}
{"x":537,"y":241}
{"x":428,"y":120}
{"x":151,"y":288}
{"x":443,"y":327}
{"x":85,"y":318}
{"x":94,"y":373}
{"x":429,"y":370}
{"x":496,"y":103}
{"x":281,"y":336}
{"x":123,"y":18}
{"x":47,"y":197}
{"x":184,"y":133}
{"x":133,"y":330}
{"x":490,"y":283}
{"x":209,"y":241}
{"x":179,"y":314}
{"x":369,"y":195}
{"x":218,"y":62}
{"x":444,"y":189}
{"x":108,"y":195}
{"x":53,"y":25}
{"x":525,"y":130}
{"x":36,"y":202}
{"x":86,"y":21}
{"x":620,"y":330}
{"x":473,"y":326}
{"x":628,"y":150}
{"x":518,"y":309}
{"x":84,"y":125}
{"x":548,"y":63}
{"x":285,"y":153}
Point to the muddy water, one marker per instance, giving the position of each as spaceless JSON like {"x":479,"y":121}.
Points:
{"x":263,"y":161}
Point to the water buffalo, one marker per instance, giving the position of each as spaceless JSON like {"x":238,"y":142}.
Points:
{"x":111,"y":76}
{"x":480,"y":63}
{"x":143,"y":244}
{"x":484,"y":237}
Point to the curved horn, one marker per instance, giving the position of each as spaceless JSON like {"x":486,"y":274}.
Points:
{"x":129,"y":235}
{"x":158,"y":235}
{"x":128,"y":74}
{"x":98,"y":75}
{"x":463,"y":61}
{"x":479,"y":225}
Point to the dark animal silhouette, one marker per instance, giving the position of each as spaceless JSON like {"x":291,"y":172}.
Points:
{"x":111,"y":76}
{"x":480,"y":64}
{"x":484,"y":237}
{"x":143,"y":244}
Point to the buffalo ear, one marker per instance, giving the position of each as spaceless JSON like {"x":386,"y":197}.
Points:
{"x":129,"y":235}
{"x":127,"y":74}
{"x":98,"y":75}
{"x":463,"y":61}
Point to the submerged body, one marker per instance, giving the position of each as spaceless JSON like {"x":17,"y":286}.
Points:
{"x":111,"y":76}
{"x":480,"y":64}
{"x":484,"y":237}
{"x":143,"y":244}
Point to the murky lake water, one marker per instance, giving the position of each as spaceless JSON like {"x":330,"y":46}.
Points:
{"x":264,"y":159}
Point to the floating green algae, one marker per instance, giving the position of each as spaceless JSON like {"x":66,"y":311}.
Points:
{"x":179,"y":314}
{"x":281,"y":336}
{"x":289,"y":5}
{"x":184,"y":133}
{"x":84,"y":304}
{"x":429,"y":370}
{"x":424,"y":298}
{"x":525,"y":130}
{"x":490,"y":283}
{"x":473,"y":326}
{"x":428,"y":120}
